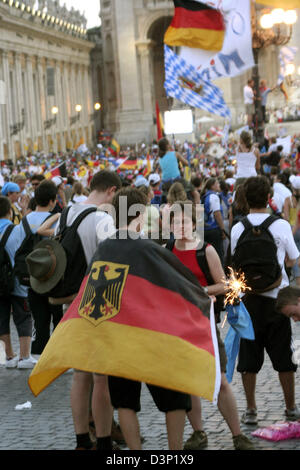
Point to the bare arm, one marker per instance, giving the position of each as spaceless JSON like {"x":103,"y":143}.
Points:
{"x":219,"y":219}
{"x":181,"y":159}
{"x":257,"y":164}
{"x":45,"y":229}
{"x":290,"y":262}
{"x":230,"y":217}
{"x":286,"y":208}
{"x":196,"y":197}
{"x":216,"y":271}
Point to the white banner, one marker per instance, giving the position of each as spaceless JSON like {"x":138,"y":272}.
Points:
{"x":286,"y":144}
{"x":236,"y":56}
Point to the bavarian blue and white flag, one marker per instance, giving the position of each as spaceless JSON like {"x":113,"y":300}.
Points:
{"x":184,"y":83}
{"x":286,"y":57}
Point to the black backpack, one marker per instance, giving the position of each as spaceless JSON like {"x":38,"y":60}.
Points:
{"x":31,"y":239}
{"x":76,"y":262}
{"x":6,"y":268}
{"x":203,"y":264}
{"x":256,"y":256}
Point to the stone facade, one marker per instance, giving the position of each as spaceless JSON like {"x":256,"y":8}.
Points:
{"x":133,"y":69}
{"x":44,"y":67}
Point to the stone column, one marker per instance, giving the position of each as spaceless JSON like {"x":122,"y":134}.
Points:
{"x":43,"y":112}
{"x":8,"y":137}
{"x":66,"y":70}
{"x":144,"y":50}
{"x":20,"y":101}
{"x":127,"y":59}
{"x":2,"y":103}
{"x":32,"y":127}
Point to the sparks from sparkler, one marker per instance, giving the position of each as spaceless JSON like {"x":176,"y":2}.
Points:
{"x":235,"y":286}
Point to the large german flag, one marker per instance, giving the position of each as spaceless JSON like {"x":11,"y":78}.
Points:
{"x":196,"y":25}
{"x":140,"y":314}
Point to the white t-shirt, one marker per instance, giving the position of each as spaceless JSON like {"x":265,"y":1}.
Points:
{"x":248,"y":95}
{"x":279,"y":201}
{"x":230,"y":181}
{"x":77,"y":199}
{"x":273,"y":148}
{"x":246,"y":162}
{"x":283,"y":236}
{"x":95,"y":228}
{"x":214,"y":203}
{"x":282,"y":190}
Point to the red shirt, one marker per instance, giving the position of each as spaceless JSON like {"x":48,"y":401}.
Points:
{"x":189,"y":259}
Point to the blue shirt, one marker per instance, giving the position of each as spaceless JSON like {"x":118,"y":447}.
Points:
{"x":169,"y":166}
{"x":264,"y":96}
{"x":15,"y":240}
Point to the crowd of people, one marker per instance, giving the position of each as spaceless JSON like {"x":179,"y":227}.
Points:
{"x":250,"y":191}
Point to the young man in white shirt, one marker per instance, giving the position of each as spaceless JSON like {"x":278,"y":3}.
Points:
{"x":272,"y":330}
{"x":249,"y":101}
{"x":95,"y":228}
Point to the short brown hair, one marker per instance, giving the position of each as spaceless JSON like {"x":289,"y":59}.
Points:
{"x":257,"y":190}
{"x":134,"y":196}
{"x":5,"y":206}
{"x":287,"y":296}
{"x":104,"y":180}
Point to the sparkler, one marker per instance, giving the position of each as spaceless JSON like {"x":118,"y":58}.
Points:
{"x":235,"y":285}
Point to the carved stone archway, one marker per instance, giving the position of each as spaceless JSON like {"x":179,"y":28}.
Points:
{"x":156,"y":34}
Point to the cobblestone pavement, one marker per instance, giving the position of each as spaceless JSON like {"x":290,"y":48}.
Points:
{"x":48,"y":424}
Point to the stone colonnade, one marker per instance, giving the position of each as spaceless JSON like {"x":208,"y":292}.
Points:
{"x":33,"y":87}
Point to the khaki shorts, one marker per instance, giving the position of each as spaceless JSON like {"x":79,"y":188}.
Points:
{"x":250,"y":109}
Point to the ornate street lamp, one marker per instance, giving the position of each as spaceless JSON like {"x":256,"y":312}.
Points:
{"x":269,"y":27}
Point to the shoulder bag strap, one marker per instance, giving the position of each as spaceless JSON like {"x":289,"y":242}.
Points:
{"x":6,"y":235}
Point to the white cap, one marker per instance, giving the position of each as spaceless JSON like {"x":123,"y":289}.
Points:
{"x":154,"y":179}
{"x":141,"y":181}
{"x":57,"y":180}
{"x":295,"y":181}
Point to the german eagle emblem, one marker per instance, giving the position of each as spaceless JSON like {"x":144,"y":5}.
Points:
{"x":190,"y":85}
{"x":102,"y":296}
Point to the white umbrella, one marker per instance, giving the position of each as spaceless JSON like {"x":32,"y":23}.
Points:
{"x":204,"y":119}
{"x":216,"y":151}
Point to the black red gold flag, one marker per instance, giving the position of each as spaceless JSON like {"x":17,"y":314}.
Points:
{"x":197,"y":25}
{"x":140,"y":314}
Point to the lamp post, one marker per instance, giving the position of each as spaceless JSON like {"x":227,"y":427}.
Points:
{"x":269,"y":27}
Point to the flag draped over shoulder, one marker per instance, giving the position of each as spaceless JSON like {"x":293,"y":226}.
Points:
{"x":140,"y":314}
{"x":286,"y":4}
{"x":197,"y":25}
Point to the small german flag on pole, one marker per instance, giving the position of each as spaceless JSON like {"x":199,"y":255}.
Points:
{"x":196,"y":25}
{"x":159,"y":123}
{"x":141,"y":315}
